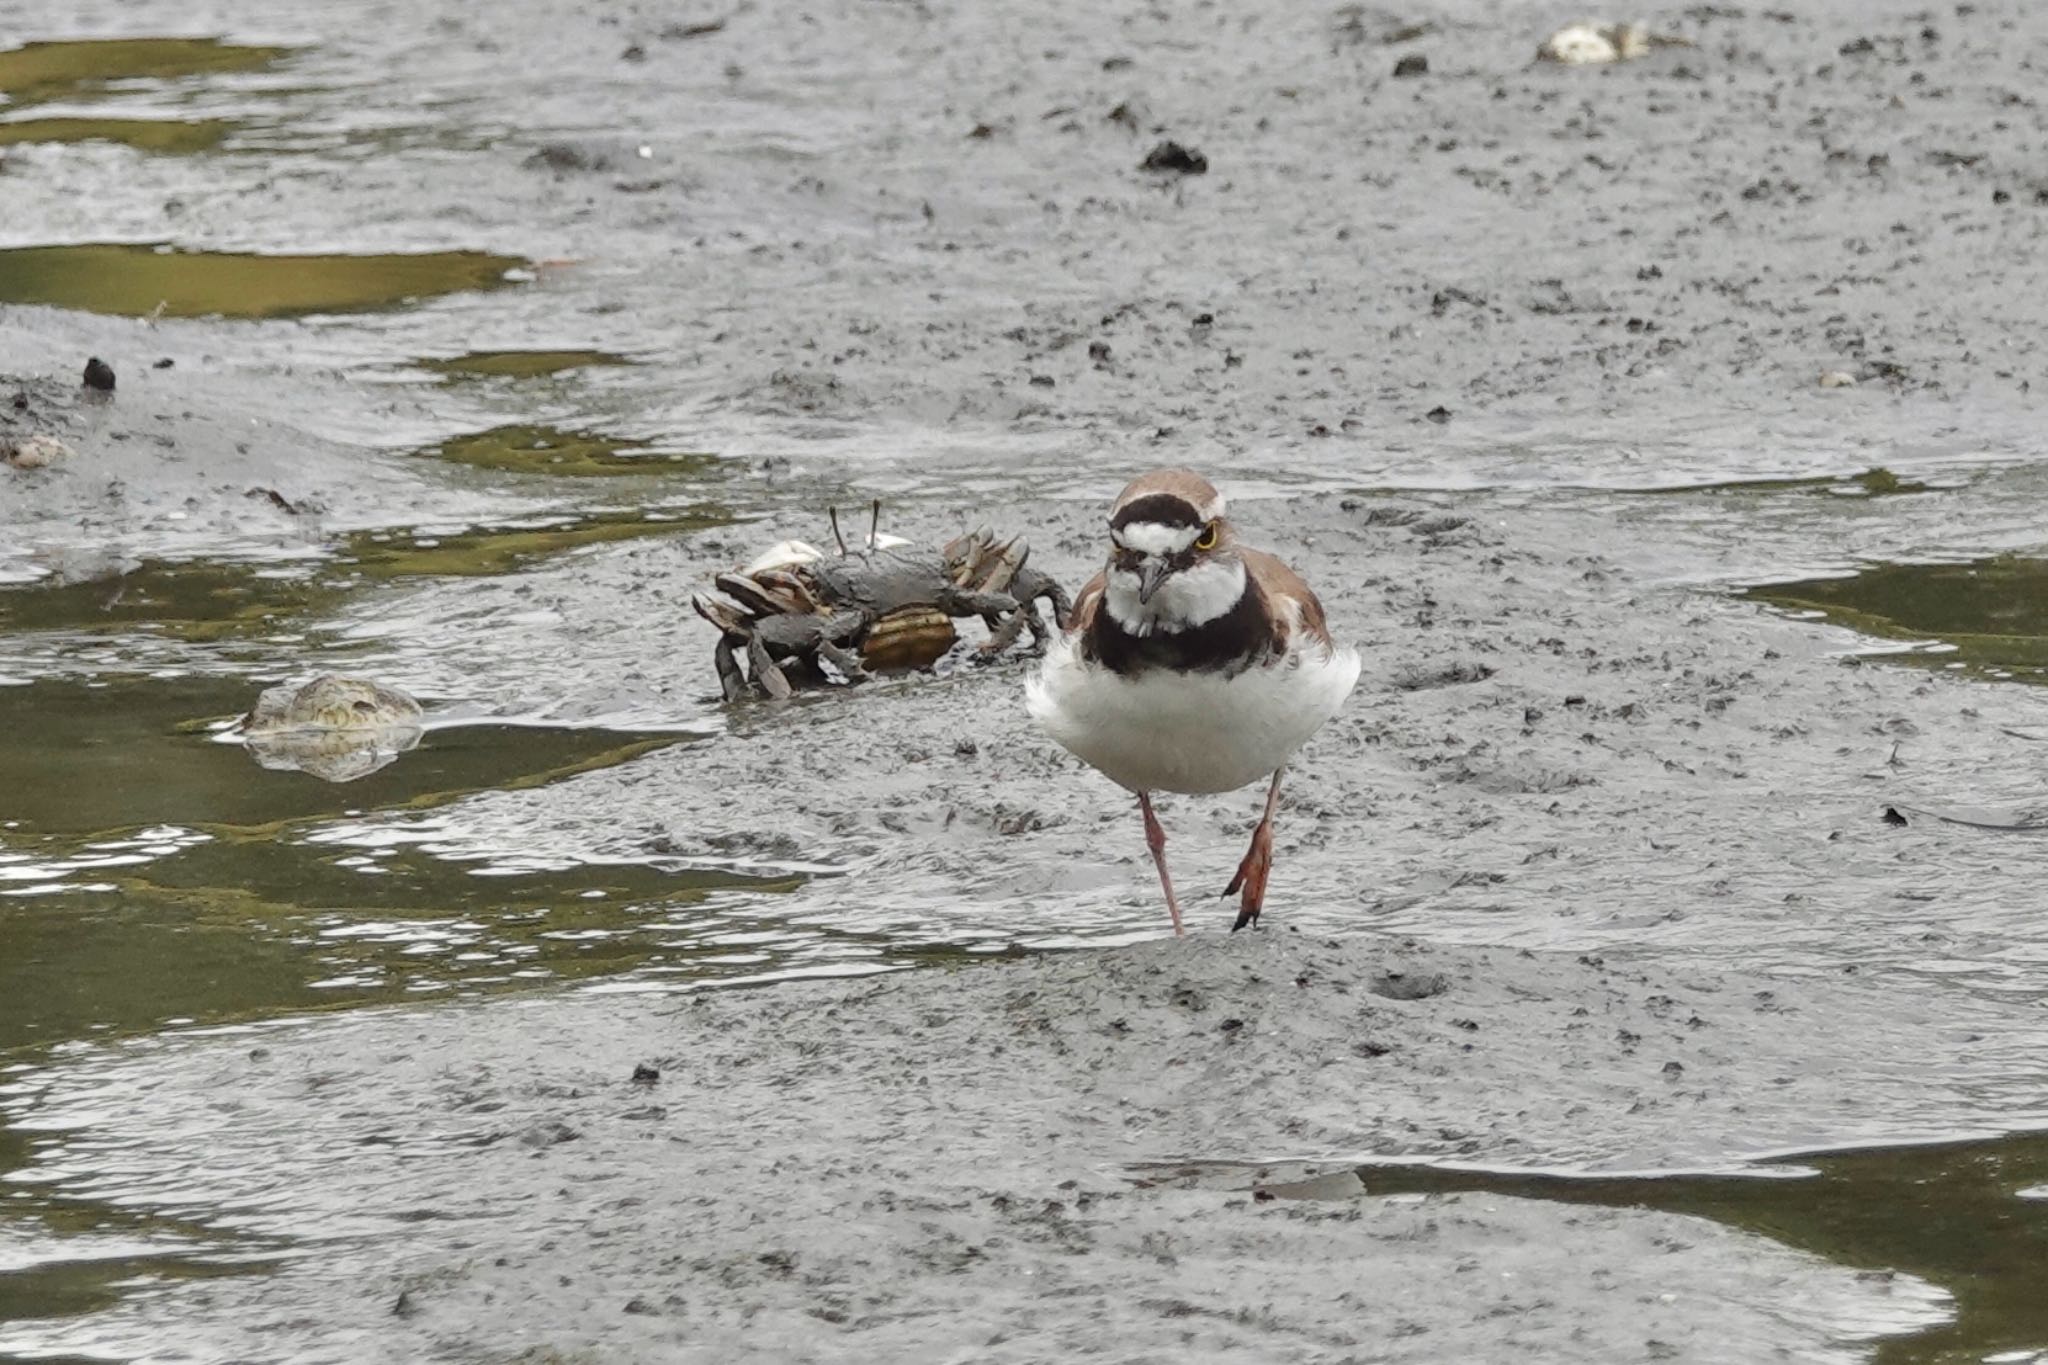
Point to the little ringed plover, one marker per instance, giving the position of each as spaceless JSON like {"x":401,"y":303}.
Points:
{"x":1191,"y":663}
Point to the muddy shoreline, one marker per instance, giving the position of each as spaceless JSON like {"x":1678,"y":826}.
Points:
{"x":1518,"y":364}
{"x":1029,"y":1159}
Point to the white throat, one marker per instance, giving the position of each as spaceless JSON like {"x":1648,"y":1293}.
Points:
{"x":1193,"y":597}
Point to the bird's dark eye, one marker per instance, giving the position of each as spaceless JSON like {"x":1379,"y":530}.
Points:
{"x":1207,"y":540}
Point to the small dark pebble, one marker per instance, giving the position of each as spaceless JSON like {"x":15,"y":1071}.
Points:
{"x":99,"y":375}
{"x":1674,"y":1068}
{"x":643,"y":1074}
{"x":1402,"y":986}
{"x":163,"y":363}
{"x":2001,"y":196}
{"x":966,"y":748}
{"x":1414,"y":64}
{"x":639,"y":1305}
{"x":1263,"y":1196}
{"x":981,"y":132}
{"x":1438,"y":414}
{"x":1231,"y":1025}
{"x":1892,"y":816}
{"x":635,"y":53}
{"x":1098,"y":351}
{"x":276,"y":499}
{"x":1041,"y":381}
{"x":1173,"y":158}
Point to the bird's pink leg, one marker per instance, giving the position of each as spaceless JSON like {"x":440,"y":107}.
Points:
{"x":1257,"y":864}
{"x":1155,"y":839}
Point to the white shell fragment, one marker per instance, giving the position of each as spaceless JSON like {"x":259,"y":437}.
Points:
{"x":1588,"y":43}
{"x":1837,"y":379}
{"x":34,"y":452}
{"x":787,"y":554}
{"x":783,"y":554}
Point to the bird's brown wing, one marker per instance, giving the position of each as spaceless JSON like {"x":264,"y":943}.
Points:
{"x":1276,"y":582}
{"x":1086,"y":603}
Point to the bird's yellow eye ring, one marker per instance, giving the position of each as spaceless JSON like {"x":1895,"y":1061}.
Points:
{"x":1207,"y":540}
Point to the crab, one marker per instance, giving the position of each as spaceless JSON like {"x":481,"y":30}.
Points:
{"x":886,"y":607}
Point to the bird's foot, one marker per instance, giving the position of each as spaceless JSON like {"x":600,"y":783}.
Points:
{"x":1249,"y":885}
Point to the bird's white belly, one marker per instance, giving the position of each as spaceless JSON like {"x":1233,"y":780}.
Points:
{"x":1187,"y":732}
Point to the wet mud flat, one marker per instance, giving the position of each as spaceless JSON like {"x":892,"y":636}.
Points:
{"x":1591,"y":877}
{"x":1673,"y":800}
{"x":1029,"y":1160}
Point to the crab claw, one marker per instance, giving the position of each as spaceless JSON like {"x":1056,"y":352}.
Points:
{"x":719,"y":613}
{"x":791,"y":586}
{"x":960,"y":556}
{"x":754,"y":596}
{"x":1000,"y":565}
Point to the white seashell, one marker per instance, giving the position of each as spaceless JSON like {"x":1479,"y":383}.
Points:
{"x":787,"y":554}
{"x":1589,"y":44}
{"x":784,"y":554}
{"x":36,"y":452}
{"x":1837,"y":379}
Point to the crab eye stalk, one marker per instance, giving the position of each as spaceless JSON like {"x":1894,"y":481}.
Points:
{"x":1207,"y":540}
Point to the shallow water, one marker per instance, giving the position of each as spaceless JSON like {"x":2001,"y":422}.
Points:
{"x":1989,"y":615}
{"x":159,"y":280}
{"x":1978,"y":1222}
{"x":457,"y":263}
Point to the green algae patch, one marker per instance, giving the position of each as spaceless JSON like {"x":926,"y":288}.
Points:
{"x":519,"y":364}
{"x":36,"y":72}
{"x":503,"y":549}
{"x":1988,"y":614}
{"x":208,"y":601}
{"x":552,"y":450}
{"x":169,"y":137}
{"x":146,"y":280}
{"x":201,"y":601}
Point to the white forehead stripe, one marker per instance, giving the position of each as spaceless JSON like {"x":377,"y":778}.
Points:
{"x":1151,"y":538}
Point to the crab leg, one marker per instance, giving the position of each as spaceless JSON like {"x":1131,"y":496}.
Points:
{"x":1002,"y":634}
{"x":960,"y":602}
{"x":730,"y":680}
{"x":767,"y":676}
{"x":1062,"y":605}
{"x":845,"y":660}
